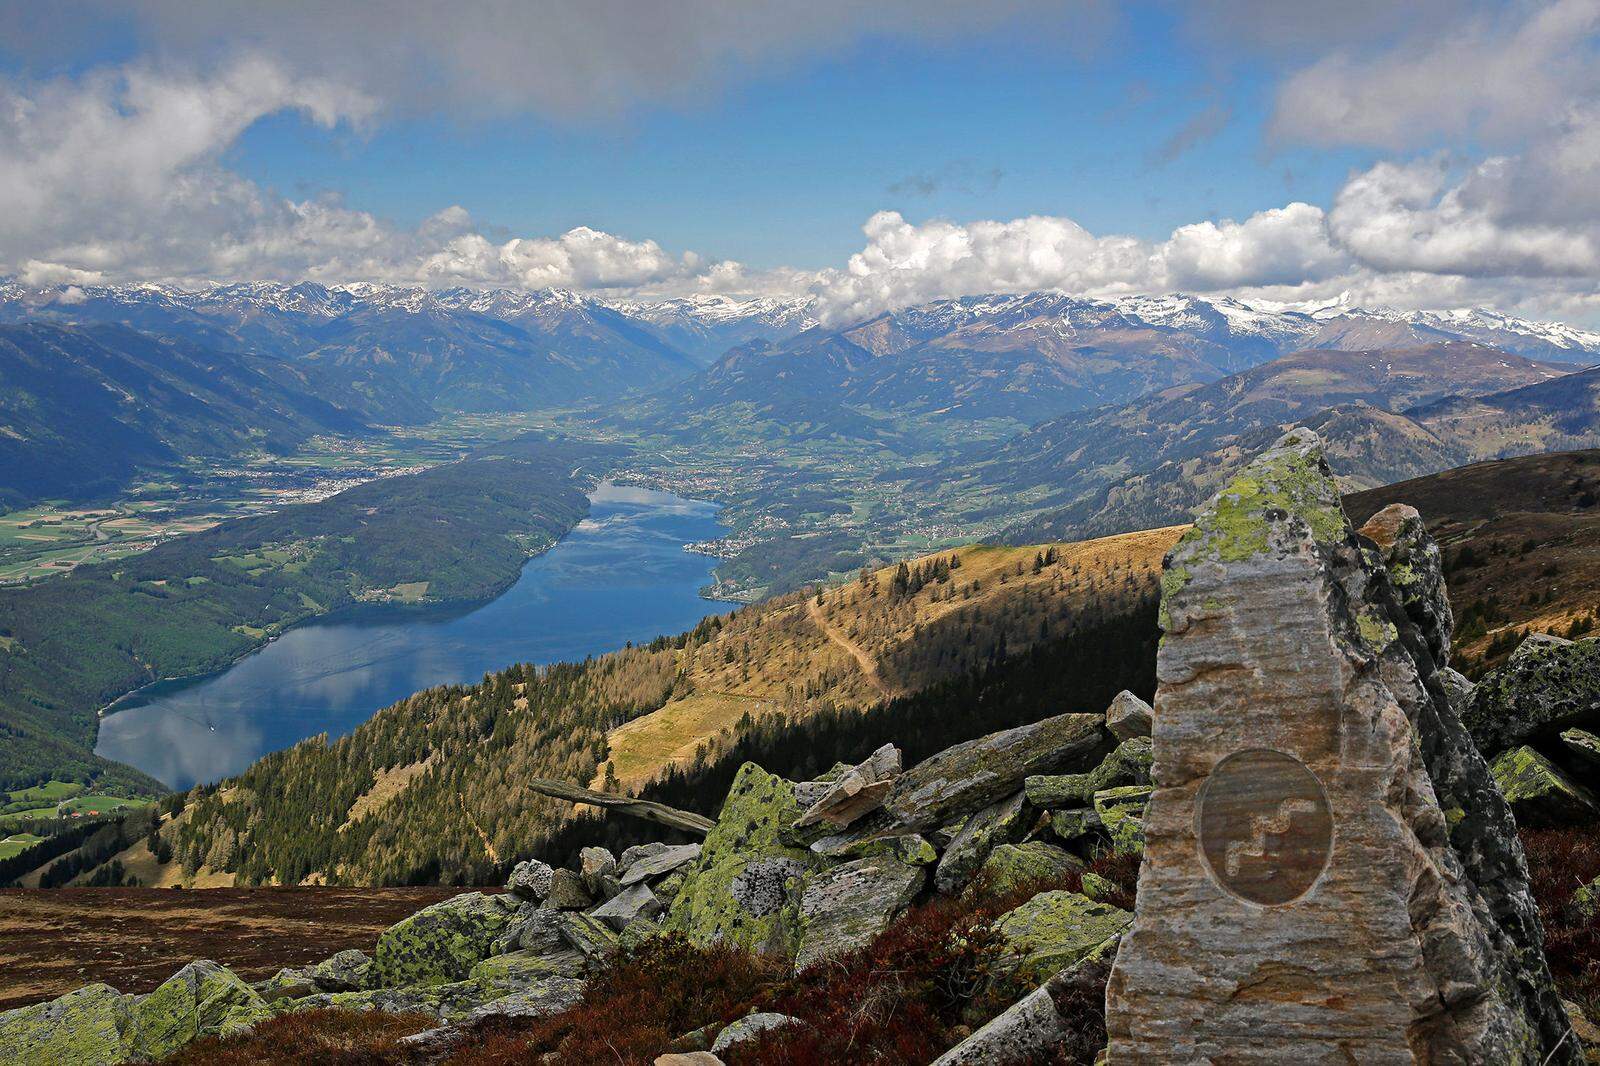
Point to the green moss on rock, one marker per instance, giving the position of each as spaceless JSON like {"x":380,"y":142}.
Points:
{"x":1539,"y":793}
{"x":1292,"y":480}
{"x":1011,"y":866}
{"x":1053,"y":930}
{"x":441,"y":943}
{"x":745,"y":888}
{"x":87,"y":1027}
{"x":1121,"y":813}
{"x":504,"y":974}
{"x":192,"y":1002}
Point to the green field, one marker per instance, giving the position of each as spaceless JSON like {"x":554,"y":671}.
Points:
{"x":15,"y":845}
{"x":98,"y":804}
{"x":39,"y":801}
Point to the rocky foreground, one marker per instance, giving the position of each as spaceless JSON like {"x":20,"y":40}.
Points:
{"x":1408,"y":829}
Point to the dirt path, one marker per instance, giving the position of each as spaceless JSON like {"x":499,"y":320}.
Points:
{"x":868,"y":665}
{"x":494,"y":856}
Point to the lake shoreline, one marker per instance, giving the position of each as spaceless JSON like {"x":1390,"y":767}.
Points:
{"x":345,"y":612}
{"x":618,"y":574}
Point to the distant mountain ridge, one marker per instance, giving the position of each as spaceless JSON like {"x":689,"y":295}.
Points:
{"x":1150,"y":464}
{"x":1036,"y":356}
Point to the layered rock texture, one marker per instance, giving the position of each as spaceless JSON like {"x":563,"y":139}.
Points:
{"x":1330,"y":874}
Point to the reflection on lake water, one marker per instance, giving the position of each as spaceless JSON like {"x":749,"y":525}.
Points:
{"x":621,"y":575}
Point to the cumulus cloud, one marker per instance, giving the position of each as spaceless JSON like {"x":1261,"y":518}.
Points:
{"x":120,"y":174}
{"x":905,"y":263}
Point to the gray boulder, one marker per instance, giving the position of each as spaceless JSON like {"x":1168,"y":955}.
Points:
{"x":749,"y":1027}
{"x":843,"y":908}
{"x":635,"y":901}
{"x":530,"y":880}
{"x":1072,"y":826}
{"x":591,"y":936}
{"x":541,"y":999}
{"x":567,"y":892}
{"x":87,"y":1027}
{"x":441,"y":943}
{"x":531,"y":928}
{"x":1539,"y":793}
{"x":1547,"y":685}
{"x":1000,"y":823}
{"x":1040,"y":1027}
{"x":856,"y":791}
{"x":291,"y":982}
{"x":971,"y":776}
{"x":1129,"y":764}
{"x":659,"y":863}
{"x":504,"y":974}
{"x":346,"y":971}
{"x":1416,"y":573}
{"x":1013,"y":866}
{"x":1582,"y":744}
{"x":638,"y":851}
{"x":1055,"y":930}
{"x":744,"y":890}
{"x":1128,"y":716}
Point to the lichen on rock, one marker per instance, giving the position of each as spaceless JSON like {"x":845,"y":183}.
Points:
{"x":443,"y":942}
{"x":86,"y":1027}
{"x":745,"y":887}
{"x":1013,"y":866}
{"x":1539,"y":793}
{"x":1055,"y":929}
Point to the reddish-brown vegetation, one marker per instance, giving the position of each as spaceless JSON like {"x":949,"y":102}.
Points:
{"x":634,"y":1009}
{"x":1560,"y":861}
{"x":311,"y":1038}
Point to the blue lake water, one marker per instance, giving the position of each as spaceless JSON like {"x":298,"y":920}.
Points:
{"x":621,"y":575}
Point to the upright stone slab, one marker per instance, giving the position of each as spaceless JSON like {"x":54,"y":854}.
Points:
{"x":1300,"y":899}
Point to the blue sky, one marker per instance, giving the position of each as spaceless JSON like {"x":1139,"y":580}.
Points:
{"x":865,"y":156}
{"x":783,"y":169}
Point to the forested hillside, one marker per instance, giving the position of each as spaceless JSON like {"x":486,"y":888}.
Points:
{"x":70,"y":645}
{"x":434,"y":788}
{"x":83,"y":409}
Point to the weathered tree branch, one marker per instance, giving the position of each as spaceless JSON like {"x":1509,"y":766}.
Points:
{"x":649,"y":810}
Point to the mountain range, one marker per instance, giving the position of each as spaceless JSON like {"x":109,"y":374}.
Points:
{"x":101,"y":381}
{"x":1028,"y":358}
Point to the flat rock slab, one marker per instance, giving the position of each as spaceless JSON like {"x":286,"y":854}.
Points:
{"x":843,"y":908}
{"x":660,"y":864}
{"x":971,"y":776}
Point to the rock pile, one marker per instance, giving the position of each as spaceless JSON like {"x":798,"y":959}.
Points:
{"x":802,"y":870}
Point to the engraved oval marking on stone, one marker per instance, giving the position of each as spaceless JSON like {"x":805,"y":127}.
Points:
{"x":1265,"y":827}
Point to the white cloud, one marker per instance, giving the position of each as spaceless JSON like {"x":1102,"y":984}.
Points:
{"x":1283,"y":245}
{"x":1493,"y":76}
{"x":905,"y":263}
{"x":120,"y":175}
{"x":554,"y":56}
